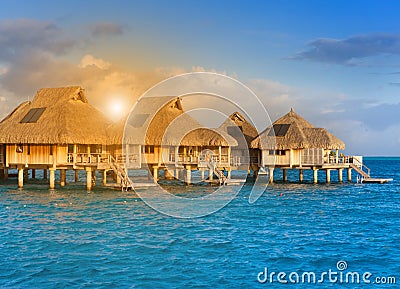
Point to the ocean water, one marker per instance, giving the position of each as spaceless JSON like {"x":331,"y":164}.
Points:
{"x":71,"y":238}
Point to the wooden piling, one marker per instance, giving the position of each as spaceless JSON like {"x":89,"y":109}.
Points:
{"x":52,"y":178}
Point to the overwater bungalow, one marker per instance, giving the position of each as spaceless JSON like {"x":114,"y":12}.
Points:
{"x":159,"y":135}
{"x":291,"y":142}
{"x":57,"y":130}
{"x":243,"y":156}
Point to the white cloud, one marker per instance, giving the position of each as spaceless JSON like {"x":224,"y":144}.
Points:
{"x":89,"y":60}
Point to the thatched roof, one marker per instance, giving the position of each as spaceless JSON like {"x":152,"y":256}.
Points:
{"x":162,"y":120}
{"x":294,"y":132}
{"x":237,"y":126}
{"x":55,"y":116}
{"x":207,"y":137}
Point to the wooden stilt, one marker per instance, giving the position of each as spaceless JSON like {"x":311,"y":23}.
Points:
{"x":52,"y":178}
{"x":63,"y":177}
{"x":349,"y":175}
{"x":284,"y":173}
{"x":104,"y":178}
{"x":229,"y":173}
{"x":45,"y":174}
{"x":301,"y":175}
{"x":271,"y":175}
{"x":340,"y":175}
{"x":202,"y":174}
{"x":26,"y":175}
{"x":155,"y":173}
{"x":88,"y":178}
{"x":315,"y":179}
{"x":328,"y":175}
{"x":33,"y":174}
{"x":1,"y":174}
{"x":188,"y":178}
{"x":76,"y":175}
{"x":6,"y":174}
{"x":20,"y":177}
{"x":94,"y":177}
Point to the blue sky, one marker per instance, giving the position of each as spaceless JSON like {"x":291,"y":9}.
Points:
{"x":336,"y":62}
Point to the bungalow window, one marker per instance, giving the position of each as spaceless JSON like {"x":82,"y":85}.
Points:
{"x":95,"y":149}
{"x":149,"y":149}
{"x":20,"y":148}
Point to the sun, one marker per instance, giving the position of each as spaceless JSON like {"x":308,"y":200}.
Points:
{"x":116,"y":109}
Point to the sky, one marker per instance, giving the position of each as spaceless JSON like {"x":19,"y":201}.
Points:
{"x":337,"y":63}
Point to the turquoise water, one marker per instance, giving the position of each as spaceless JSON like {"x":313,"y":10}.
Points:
{"x":70,"y":238}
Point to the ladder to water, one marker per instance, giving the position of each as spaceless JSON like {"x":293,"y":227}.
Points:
{"x":221,"y":176}
{"x":126,"y":183}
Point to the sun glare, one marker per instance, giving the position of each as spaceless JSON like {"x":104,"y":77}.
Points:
{"x":116,"y":109}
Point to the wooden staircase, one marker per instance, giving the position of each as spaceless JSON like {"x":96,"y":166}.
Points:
{"x":361,"y":169}
{"x":220,"y":175}
{"x":126,"y":183}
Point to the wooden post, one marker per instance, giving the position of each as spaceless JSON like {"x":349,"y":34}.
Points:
{"x":210,"y":175}
{"x":33,"y":174}
{"x":271,"y":175}
{"x":301,"y":175}
{"x":45,"y":174}
{"x":93,"y":177}
{"x":349,"y":175}
{"x":6,"y":174}
{"x":328,"y":175}
{"x":229,"y":173}
{"x":63,"y":177}
{"x":315,"y":179}
{"x":104,"y":178}
{"x":155,"y":173}
{"x":177,"y":173}
{"x":20,"y":177}
{"x":26,"y":175}
{"x":340,"y":175}
{"x":188,"y":178}
{"x":202,"y":174}
{"x":52,"y":178}
{"x":1,"y":174}
{"x":284,"y":175}
{"x":76,"y":177}
{"x":88,"y":178}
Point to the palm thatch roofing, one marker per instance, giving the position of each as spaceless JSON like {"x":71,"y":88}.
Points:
{"x":294,"y":132}
{"x":55,"y":116}
{"x":162,"y":121}
{"x":237,"y":126}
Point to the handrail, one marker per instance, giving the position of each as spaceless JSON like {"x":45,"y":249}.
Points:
{"x":358,"y":163}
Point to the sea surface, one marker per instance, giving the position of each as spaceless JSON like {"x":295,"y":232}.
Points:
{"x":71,"y":238}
